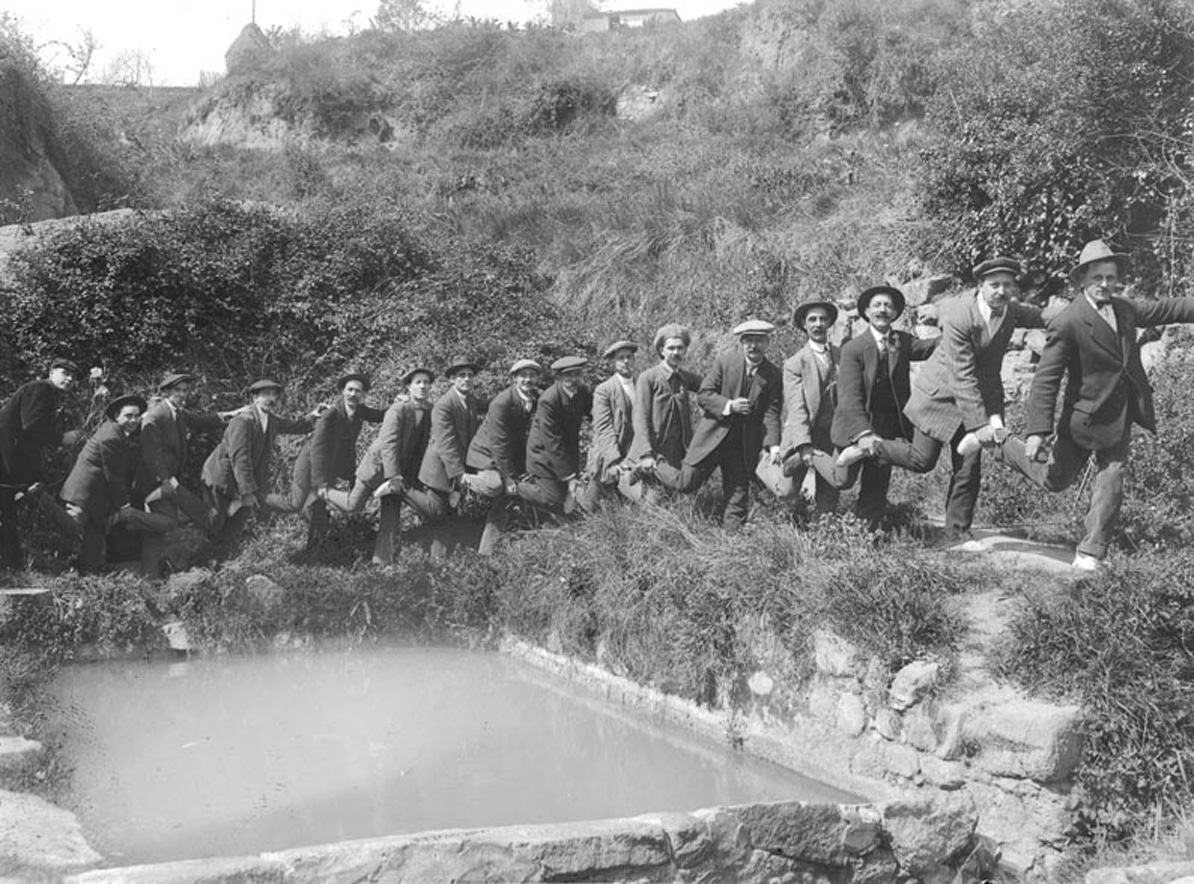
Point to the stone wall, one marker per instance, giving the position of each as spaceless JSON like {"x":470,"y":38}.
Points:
{"x":925,"y":840}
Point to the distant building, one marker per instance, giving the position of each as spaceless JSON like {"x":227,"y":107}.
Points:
{"x":611,"y":20}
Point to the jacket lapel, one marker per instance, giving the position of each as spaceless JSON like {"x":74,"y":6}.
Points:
{"x":1100,"y":332}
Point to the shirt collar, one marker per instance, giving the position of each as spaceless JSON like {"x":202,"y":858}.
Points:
{"x":984,"y":309}
{"x":820,"y":349}
{"x":1093,"y":302}
{"x":880,"y":336}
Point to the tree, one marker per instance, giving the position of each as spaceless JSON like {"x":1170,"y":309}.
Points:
{"x":569,"y":13}
{"x":130,"y":67}
{"x":403,"y":15}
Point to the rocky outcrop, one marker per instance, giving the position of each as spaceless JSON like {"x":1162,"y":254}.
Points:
{"x":31,"y":188}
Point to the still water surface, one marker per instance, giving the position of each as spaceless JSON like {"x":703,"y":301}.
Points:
{"x":234,"y":756}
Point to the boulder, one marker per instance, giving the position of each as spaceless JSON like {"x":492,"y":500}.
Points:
{"x":851,"y":715}
{"x":913,"y":682}
{"x":924,"y":835}
{"x":1027,"y":739}
{"x":887,"y":723}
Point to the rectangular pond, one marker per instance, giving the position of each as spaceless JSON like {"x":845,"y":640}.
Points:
{"x":228,"y":756}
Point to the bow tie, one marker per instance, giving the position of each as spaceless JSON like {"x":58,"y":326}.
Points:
{"x":996,"y":312}
{"x":1104,"y":303}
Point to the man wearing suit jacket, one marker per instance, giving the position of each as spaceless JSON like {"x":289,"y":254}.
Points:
{"x":97,"y":491}
{"x":330,"y":455}
{"x":236,"y":477}
{"x":662,"y":413}
{"x":30,"y":424}
{"x":165,"y":428}
{"x":613,"y":428}
{"x":872,"y":389}
{"x":740,"y":399}
{"x":1093,"y":343}
{"x":390,"y":468}
{"x":960,"y":391}
{"x":553,"y":443}
{"x":810,"y":395}
{"x":498,"y":451}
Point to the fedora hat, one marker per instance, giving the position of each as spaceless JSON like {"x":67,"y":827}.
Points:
{"x":612,"y":350}
{"x":802,"y":310}
{"x":671,"y":330}
{"x":113,"y":408}
{"x":418,"y":369}
{"x":997,"y":265}
{"x":173,"y":378}
{"x":459,"y":362}
{"x":1094,"y":251}
{"x":864,"y":300}
{"x":355,"y":376}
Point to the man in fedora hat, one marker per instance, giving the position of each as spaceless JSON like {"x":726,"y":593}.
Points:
{"x":957,"y":397}
{"x":30,"y":425}
{"x":236,"y":475}
{"x":740,"y":400}
{"x":390,"y":468}
{"x":553,"y":443}
{"x":810,"y":395}
{"x":1093,"y":343}
{"x":662,"y":412}
{"x":872,"y":389}
{"x":97,"y":491}
{"x":498,"y":451}
{"x":166,"y":428}
{"x":613,"y":428}
{"x":455,"y":419}
{"x":330,"y":454}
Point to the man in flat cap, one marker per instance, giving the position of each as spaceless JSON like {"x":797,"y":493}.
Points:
{"x":613,"y":427}
{"x":330,"y":454}
{"x":740,"y":399}
{"x":236,"y":475}
{"x":810,"y":396}
{"x":97,"y":491}
{"x":455,"y":419}
{"x":872,"y":389}
{"x":390,"y":468}
{"x":499,"y":449}
{"x":662,"y":413}
{"x":553,"y":443}
{"x":30,"y":424}
{"x":1093,"y":343}
{"x":166,"y":428}
{"x":958,"y":395}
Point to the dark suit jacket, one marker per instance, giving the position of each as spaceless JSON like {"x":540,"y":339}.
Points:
{"x":613,"y":429}
{"x":856,"y":381}
{"x":454,"y":422}
{"x":663,"y":413}
{"x":239,"y":465}
{"x":553,"y":444}
{"x":962,"y":383}
{"x":1107,"y":389}
{"x":164,"y":441}
{"x":809,"y":390}
{"x":726,"y":381}
{"x":331,"y":452}
{"x":501,"y":441}
{"x":103,"y":473}
{"x":398,"y":449}
{"x":29,"y":423}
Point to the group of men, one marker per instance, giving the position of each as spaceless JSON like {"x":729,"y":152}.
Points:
{"x":837,"y":416}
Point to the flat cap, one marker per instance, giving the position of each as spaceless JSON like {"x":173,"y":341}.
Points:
{"x":997,"y":265}
{"x":265,"y":384}
{"x":525,"y":363}
{"x":754,"y":327}
{"x":353,"y":376}
{"x":569,"y":363}
{"x":897,"y":297}
{"x":671,"y":330}
{"x":113,"y":408}
{"x":173,"y":378}
{"x":66,"y":365}
{"x":410,"y":373}
{"x":612,"y":350}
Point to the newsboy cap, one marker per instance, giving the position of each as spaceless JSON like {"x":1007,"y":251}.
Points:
{"x":612,"y":350}
{"x":1094,"y":251}
{"x":265,"y":384}
{"x":802,"y":311}
{"x":66,"y":365}
{"x":998,"y":265}
{"x":754,"y":327}
{"x":864,"y":300}
{"x":174,"y":378}
{"x":569,"y":363}
{"x":113,"y":408}
{"x":525,"y":363}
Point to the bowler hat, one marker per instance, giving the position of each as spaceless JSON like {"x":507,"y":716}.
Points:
{"x":1094,"y":251}
{"x":418,"y":369}
{"x":998,"y":265}
{"x":525,"y":363}
{"x":864,"y":300}
{"x":802,"y":310}
{"x":66,"y":365}
{"x":569,"y":363}
{"x":174,"y":378}
{"x":459,"y":362}
{"x":612,"y":350}
{"x":265,"y":384}
{"x":671,"y":330}
{"x":113,"y":408}
{"x":353,"y":376}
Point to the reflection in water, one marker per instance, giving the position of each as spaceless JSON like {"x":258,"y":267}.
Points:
{"x":228,"y":756}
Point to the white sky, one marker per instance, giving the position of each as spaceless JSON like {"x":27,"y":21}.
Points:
{"x":183,"y":37}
